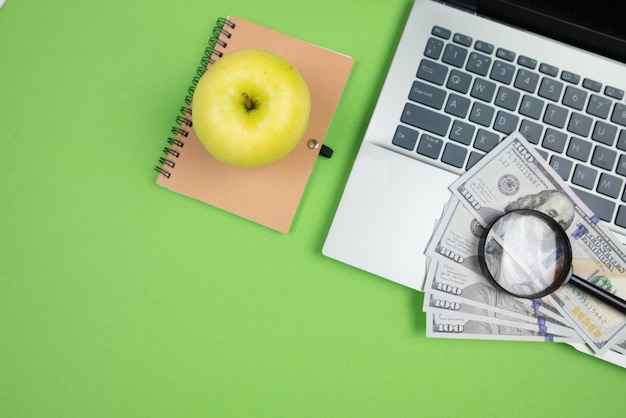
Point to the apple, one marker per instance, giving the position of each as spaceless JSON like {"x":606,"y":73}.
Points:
{"x":250,"y":108}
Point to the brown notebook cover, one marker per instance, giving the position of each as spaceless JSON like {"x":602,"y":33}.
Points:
{"x":267,"y":195}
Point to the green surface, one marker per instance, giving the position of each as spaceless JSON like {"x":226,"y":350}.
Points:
{"x":122,"y":299}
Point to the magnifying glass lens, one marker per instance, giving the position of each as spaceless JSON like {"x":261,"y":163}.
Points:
{"x":526,"y":253}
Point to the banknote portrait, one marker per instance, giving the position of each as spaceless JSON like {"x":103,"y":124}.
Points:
{"x":553,"y":203}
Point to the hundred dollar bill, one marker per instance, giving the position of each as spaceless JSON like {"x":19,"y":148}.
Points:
{"x":443,"y":303}
{"x":600,"y":325}
{"x":620,"y":347}
{"x":451,"y":325}
{"x":445,"y":278}
{"x":455,"y":243}
{"x":456,"y":236}
{"x":513,"y":175}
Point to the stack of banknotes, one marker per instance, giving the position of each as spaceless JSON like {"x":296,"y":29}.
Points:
{"x":460,"y":302}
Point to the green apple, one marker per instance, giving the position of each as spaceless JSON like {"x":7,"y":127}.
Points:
{"x":250,"y":108}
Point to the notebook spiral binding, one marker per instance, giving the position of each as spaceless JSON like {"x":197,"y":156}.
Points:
{"x":219,"y":39}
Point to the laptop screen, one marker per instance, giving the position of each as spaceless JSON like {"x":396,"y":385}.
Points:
{"x":594,"y":25}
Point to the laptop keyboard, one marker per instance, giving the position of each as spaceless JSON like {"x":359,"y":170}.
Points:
{"x":469,"y":94}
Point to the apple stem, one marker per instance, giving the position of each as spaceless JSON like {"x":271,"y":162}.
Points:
{"x":249,"y":104}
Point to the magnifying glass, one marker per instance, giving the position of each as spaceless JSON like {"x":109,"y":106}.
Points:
{"x":527,"y":254}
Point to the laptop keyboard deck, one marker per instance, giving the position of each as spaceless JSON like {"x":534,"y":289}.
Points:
{"x":469,"y":94}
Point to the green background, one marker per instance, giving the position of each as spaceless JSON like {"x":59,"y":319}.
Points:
{"x":119,"y":298}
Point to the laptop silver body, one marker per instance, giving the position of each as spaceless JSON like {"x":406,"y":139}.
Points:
{"x":392,"y":199}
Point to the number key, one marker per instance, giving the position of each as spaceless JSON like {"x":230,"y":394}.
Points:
{"x":434,"y":48}
{"x":619,"y":114}
{"x":454,"y":55}
{"x":599,"y":106}
{"x":478,"y":63}
{"x":574,"y":98}
{"x":526,"y":80}
{"x":550,"y":89}
{"x":502,"y":72}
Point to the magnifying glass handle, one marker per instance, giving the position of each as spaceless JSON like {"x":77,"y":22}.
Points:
{"x":599,"y":293}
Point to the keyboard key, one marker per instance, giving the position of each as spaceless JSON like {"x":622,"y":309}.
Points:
{"x":562,"y":166}
{"x":574,"y":98}
{"x":555,"y":115}
{"x":526,"y":80}
{"x":485,"y":140}
{"x":423,"y":118}
{"x":604,"y":158}
{"x":579,"y":149}
{"x":614,"y":93}
{"x":478,"y":63}
{"x":432,"y":71}
{"x":483,"y":89}
{"x":405,"y":137}
{"x":599,"y":205}
{"x":531,"y":107}
{"x":474,"y":157}
{"x":462,"y":132}
{"x":531,"y":131}
{"x":544,"y":154}
{"x":527,"y":62}
{"x":454,"y":55}
{"x":599,"y":106}
{"x":481,"y":114}
{"x":427,"y":94}
{"x":454,"y":155}
{"x":433,"y":48}
{"x":485,"y":47}
{"x":554,"y":140}
{"x":619,"y":114}
{"x":459,"y":81}
{"x":550,"y":89}
{"x":604,"y":133}
{"x":570,"y":77}
{"x":579,"y":124}
{"x":592,"y":85}
{"x":461,"y":39}
{"x":441,"y":32}
{"x":609,"y":185}
{"x":505,"y":54}
{"x":548,"y":69}
{"x":507,"y":98}
{"x":621,"y":140}
{"x":621,"y":165}
{"x":502,"y":72}
{"x":457,"y":105}
{"x":430,"y":146}
{"x":620,"y":219}
{"x":505,"y":122}
{"x":584,"y":176}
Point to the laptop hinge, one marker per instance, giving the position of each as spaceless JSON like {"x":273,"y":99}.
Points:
{"x":466,"y":5}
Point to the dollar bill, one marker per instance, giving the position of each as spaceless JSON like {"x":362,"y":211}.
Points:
{"x":440,"y":303}
{"x":466,"y":286}
{"x":453,"y":325}
{"x":455,"y":243}
{"x":513,"y":175}
{"x":456,"y":237}
{"x":620,"y":347}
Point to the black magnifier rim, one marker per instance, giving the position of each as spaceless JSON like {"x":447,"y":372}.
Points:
{"x":556,"y":227}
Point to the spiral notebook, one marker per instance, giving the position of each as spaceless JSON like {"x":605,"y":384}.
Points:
{"x":268,"y":195}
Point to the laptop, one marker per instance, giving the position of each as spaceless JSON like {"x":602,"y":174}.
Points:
{"x":465,"y":75}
